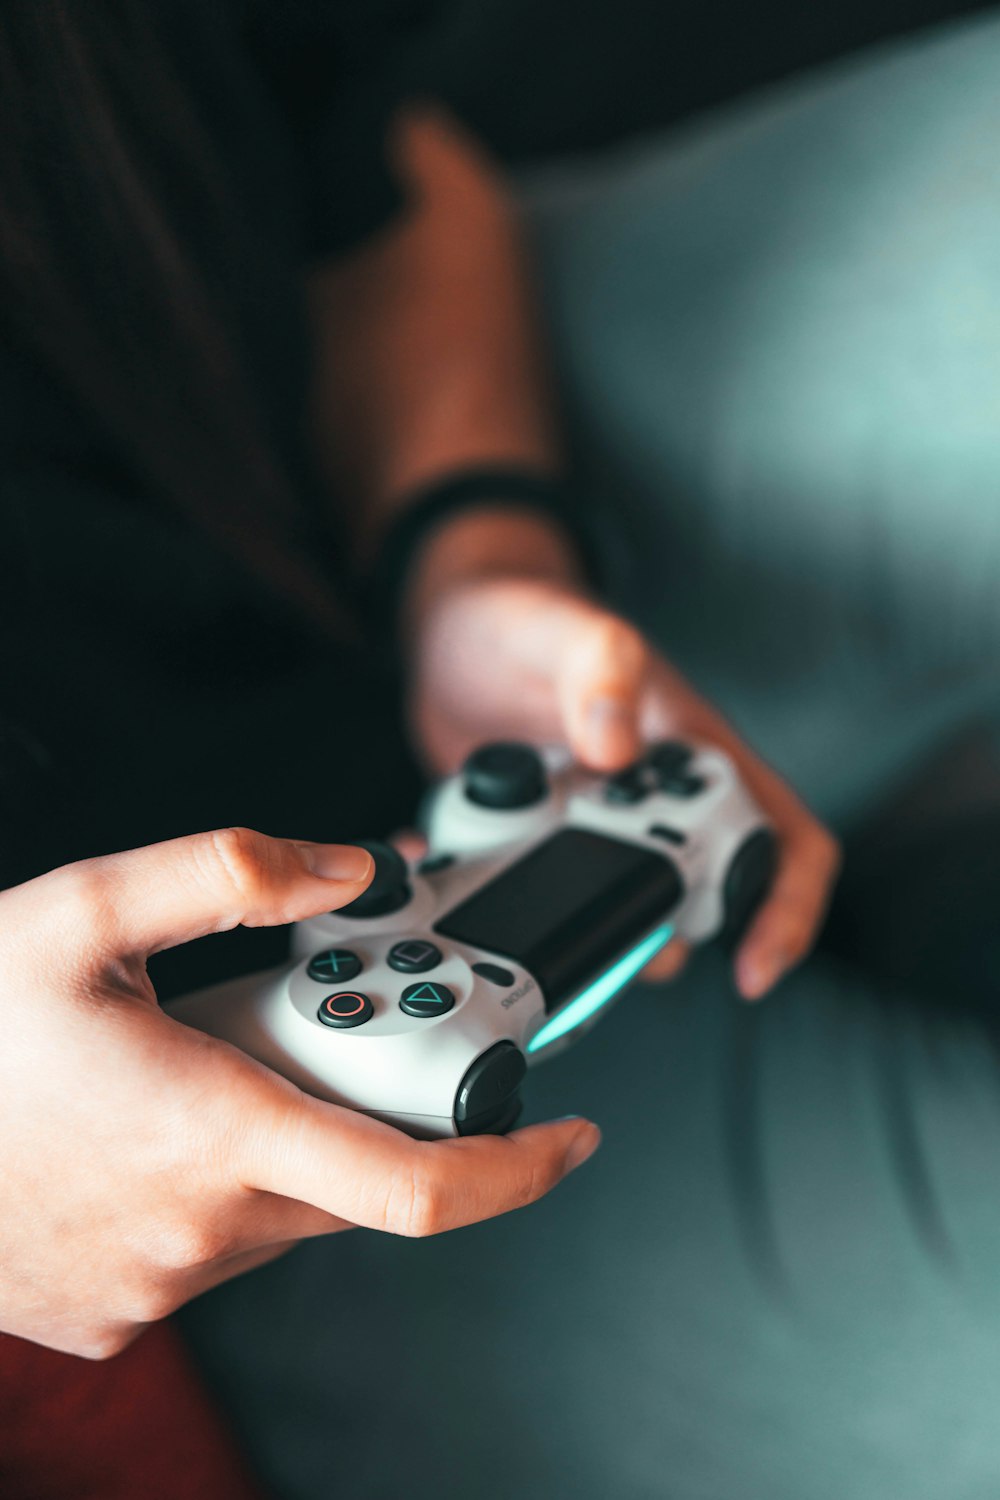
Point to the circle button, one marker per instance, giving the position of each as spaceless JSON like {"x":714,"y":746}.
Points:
{"x":346,"y":1009}
{"x":334,"y":966}
{"x":426,"y":999}
{"x":413,"y":956}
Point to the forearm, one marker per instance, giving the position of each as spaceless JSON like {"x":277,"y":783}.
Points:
{"x":430,"y":359}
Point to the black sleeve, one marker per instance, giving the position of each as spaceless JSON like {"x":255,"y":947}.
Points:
{"x":335,"y":68}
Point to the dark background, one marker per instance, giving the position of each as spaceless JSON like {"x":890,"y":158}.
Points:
{"x":544,"y":76}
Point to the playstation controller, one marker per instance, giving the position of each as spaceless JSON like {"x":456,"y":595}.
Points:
{"x":546,"y":888}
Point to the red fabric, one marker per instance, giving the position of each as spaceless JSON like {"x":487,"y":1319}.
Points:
{"x":136,"y":1427}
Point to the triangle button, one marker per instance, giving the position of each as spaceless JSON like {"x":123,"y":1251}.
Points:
{"x":427,"y":999}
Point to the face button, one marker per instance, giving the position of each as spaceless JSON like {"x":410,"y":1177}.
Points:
{"x":669,"y":758}
{"x":426,"y":1000}
{"x":668,"y":835}
{"x":335,"y":966}
{"x":435,"y":863}
{"x":346,"y":1009}
{"x":682,"y":785}
{"x":390,"y":886}
{"x":413,"y":956}
{"x":625,"y":787}
{"x":494,"y":973}
{"x":505,"y":775}
{"x":488,"y":1101}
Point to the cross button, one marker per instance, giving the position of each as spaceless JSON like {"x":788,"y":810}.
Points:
{"x":334,"y":966}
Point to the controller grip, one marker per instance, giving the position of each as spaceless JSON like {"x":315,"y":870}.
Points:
{"x":748,"y":880}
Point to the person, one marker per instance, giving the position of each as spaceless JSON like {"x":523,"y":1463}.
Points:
{"x":158,"y":438}
{"x":774,"y":333}
{"x":185,"y":647}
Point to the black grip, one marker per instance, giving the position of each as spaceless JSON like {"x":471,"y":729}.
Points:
{"x":747,"y":882}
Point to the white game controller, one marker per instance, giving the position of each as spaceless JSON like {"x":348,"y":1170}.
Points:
{"x":545,"y":890}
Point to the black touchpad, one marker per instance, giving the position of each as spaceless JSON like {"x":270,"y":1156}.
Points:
{"x":568,"y":909}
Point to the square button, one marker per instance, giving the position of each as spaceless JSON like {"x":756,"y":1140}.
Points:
{"x":413,"y":956}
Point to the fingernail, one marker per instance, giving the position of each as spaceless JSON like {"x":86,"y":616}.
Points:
{"x":761,"y":974}
{"x":751,"y":978}
{"x":605,"y":711}
{"x":585,"y":1143}
{"x":338,"y":862}
{"x":611,"y":723}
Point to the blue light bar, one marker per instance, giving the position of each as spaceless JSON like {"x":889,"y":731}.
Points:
{"x":602,"y":990}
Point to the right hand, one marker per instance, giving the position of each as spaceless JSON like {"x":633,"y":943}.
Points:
{"x":143,"y":1161}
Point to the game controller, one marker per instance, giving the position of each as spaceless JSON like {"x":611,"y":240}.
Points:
{"x":545,"y":889}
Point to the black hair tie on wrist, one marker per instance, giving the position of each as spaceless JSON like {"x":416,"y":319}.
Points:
{"x":469,"y":489}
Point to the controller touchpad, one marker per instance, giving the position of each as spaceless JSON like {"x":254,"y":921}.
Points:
{"x":568,"y":908}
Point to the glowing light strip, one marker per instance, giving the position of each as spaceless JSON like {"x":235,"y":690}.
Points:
{"x":602,"y":990}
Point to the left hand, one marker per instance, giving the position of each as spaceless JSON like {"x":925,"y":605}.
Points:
{"x":528,"y":658}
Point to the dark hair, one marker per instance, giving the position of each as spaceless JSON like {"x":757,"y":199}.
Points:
{"x":97,"y":284}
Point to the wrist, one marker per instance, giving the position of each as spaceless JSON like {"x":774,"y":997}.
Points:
{"x":491,"y":541}
{"x":490,"y":522}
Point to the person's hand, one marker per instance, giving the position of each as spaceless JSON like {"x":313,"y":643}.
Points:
{"x":514,"y":657}
{"x":142,"y":1161}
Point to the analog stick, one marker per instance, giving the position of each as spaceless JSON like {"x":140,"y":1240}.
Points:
{"x":390,"y":886}
{"x":505,"y":775}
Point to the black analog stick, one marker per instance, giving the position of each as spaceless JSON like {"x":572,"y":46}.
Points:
{"x":747,"y":882}
{"x":390,"y":887}
{"x":505,"y":775}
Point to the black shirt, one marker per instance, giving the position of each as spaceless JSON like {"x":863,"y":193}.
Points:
{"x":150,"y":686}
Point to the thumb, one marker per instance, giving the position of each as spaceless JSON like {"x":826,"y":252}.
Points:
{"x":164,"y":894}
{"x":363,"y":1170}
{"x":600,"y":683}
